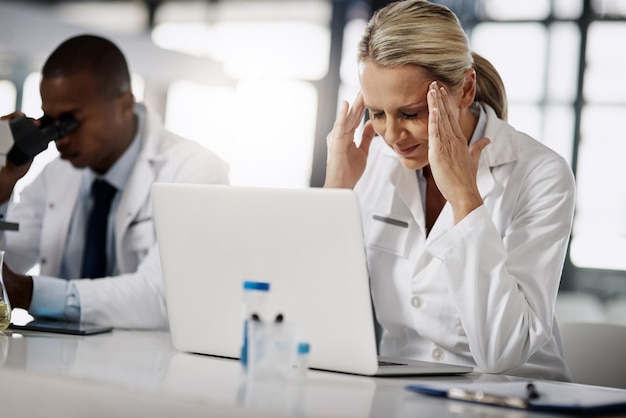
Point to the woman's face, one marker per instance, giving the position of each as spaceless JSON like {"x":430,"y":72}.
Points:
{"x":396,"y":101}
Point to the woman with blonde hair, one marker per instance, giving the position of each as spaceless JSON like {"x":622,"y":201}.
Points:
{"x":466,"y":219}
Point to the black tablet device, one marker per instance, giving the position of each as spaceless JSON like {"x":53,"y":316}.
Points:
{"x":60,"y":327}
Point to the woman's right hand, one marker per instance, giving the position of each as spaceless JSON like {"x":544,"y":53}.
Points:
{"x":346,"y":161}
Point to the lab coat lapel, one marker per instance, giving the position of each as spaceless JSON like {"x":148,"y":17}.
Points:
{"x":137,"y":191}
{"x":504,"y":150}
{"x":445,"y":221}
{"x":134,"y":196}
{"x":485,"y":183}
{"x":407,"y":189}
{"x":484,"y":178}
{"x":63,"y":196}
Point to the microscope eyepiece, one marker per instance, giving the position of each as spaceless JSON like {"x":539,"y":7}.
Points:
{"x":55,"y":129}
{"x":29,"y":140}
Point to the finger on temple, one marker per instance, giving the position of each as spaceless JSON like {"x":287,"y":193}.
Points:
{"x":451,"y":124}
{"x":445,"y":113}
{"x":433,"y":120}
{"x":357,"y":111}
{"x":342,"y":114}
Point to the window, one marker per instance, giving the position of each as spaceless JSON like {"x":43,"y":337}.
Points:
{"x":263,"y":121}
{"x":599,"y":235}
{"x":262,"y":128}
{"x":575,"y":109}
{"x":8,"y":97}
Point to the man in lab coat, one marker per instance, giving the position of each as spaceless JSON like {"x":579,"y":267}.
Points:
{"x":119,"y":141}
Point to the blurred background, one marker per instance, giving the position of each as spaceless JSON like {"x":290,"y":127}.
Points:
{"x":259,"y":82}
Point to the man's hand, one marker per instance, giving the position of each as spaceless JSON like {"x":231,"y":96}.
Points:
{"x":19,"y":288}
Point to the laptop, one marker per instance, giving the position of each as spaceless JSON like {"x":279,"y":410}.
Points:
{"x":307,"y":243}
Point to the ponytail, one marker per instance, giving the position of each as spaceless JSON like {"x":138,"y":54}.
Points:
{"x":489,"y":86}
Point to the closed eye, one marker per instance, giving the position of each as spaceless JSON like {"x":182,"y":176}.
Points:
{"x":380,"y":115}
{"x":376,"y":115}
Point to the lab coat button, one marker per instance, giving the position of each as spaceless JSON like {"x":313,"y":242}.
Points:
{"x":438,"y":354}
{"x":42,"y":261}
{"x":416,"y":301}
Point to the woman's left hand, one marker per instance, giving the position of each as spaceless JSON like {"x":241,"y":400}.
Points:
{"x":453,"y":164}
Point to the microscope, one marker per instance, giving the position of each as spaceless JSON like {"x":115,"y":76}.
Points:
{"x":21,"y":139}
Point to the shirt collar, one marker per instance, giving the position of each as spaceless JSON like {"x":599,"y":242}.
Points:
{"x":120,"y":171}
{"x":481,"y":125}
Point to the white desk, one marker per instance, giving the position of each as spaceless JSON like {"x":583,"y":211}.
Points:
{"x":139,"y":373}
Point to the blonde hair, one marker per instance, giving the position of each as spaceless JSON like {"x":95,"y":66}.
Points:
{"x":429,"y":35}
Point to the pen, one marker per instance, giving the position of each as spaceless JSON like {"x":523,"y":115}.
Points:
{"x":481,"y":397}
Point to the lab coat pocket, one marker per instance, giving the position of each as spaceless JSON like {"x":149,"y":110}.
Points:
{"x":141,"y":236}
{"x":388,"y":234}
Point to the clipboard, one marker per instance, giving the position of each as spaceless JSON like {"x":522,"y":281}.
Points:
{"x":546,"y":396}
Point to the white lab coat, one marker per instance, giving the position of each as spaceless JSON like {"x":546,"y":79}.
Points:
{"x":134,"y":298}
{"x":482,"y":292}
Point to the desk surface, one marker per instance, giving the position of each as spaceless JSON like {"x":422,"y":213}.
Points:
{"x":139,"y":373}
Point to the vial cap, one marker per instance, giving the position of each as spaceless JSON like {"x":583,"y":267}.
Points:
{"x":303,"y":348}
{"x":251,"y":285}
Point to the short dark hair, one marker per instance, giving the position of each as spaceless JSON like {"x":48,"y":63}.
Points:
{"x":93,"y":54}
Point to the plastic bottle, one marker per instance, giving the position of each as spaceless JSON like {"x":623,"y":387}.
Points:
{"x":254,"y":299}
{"x":302,"y":359}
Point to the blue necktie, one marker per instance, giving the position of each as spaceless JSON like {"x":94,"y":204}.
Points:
{"x":94,"y":255}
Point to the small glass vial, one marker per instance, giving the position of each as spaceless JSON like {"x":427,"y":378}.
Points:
{"x":302,"y":360}
{"x":254,"y":299}
{"x":5,"y":306}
